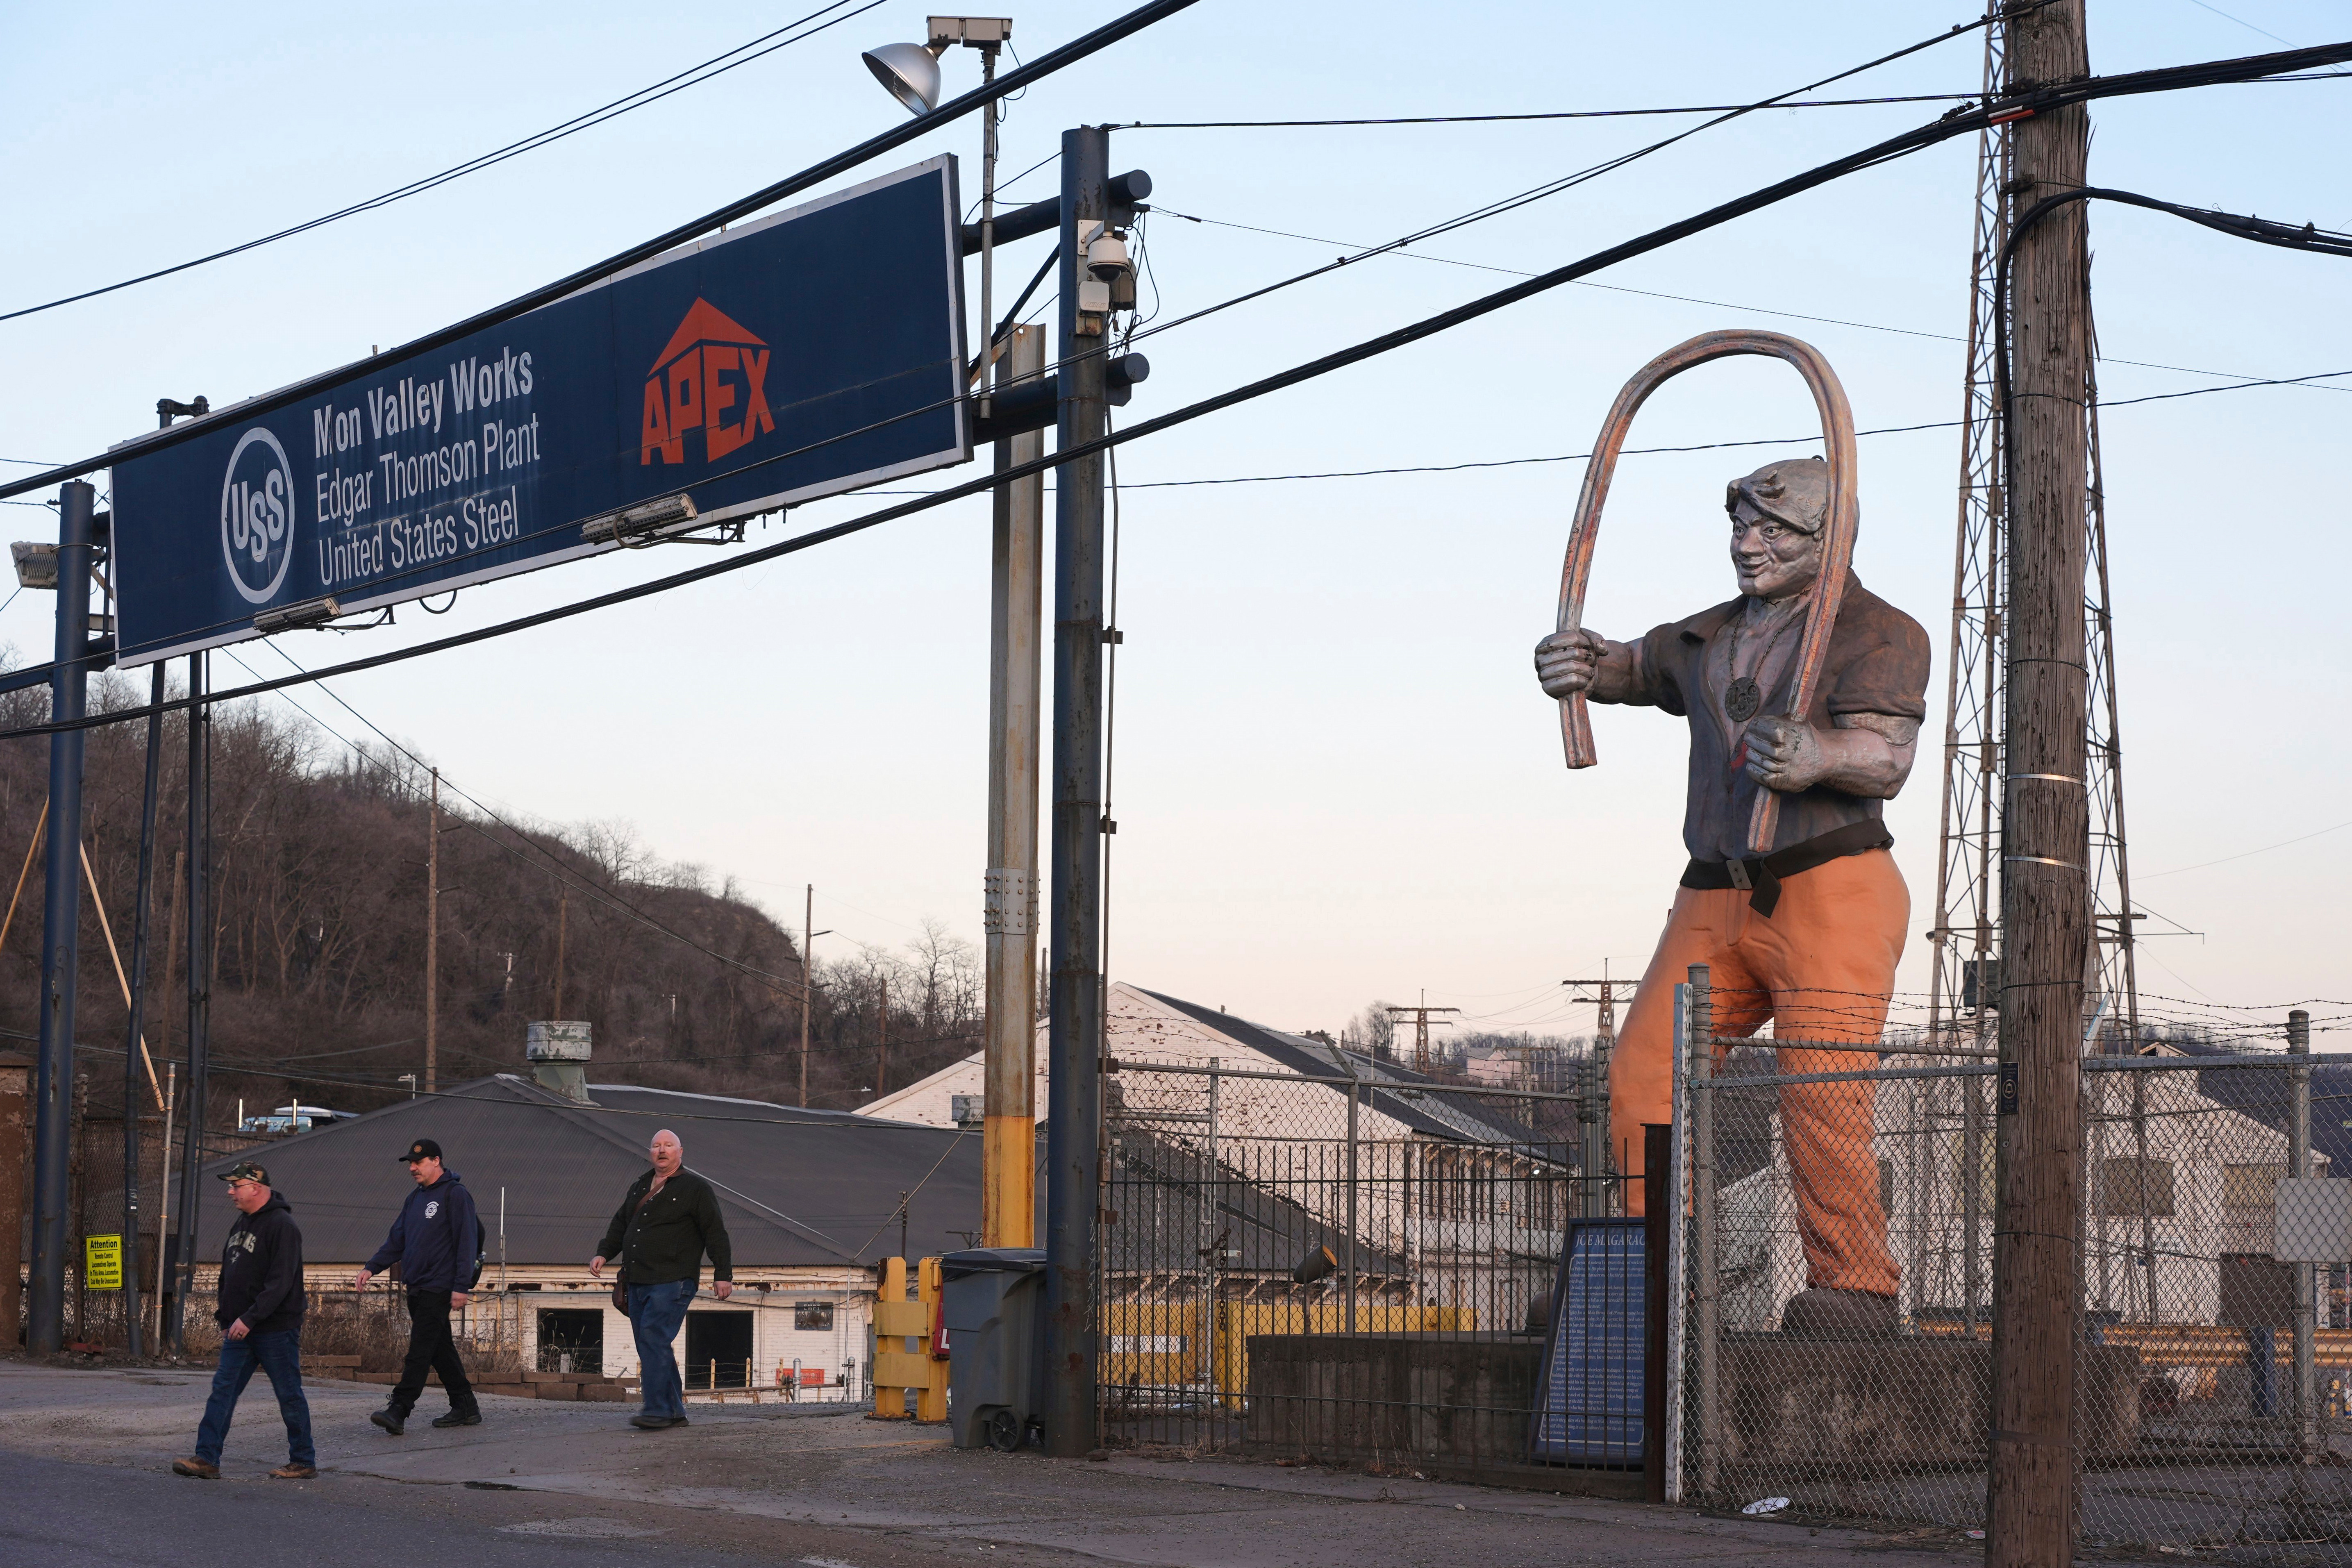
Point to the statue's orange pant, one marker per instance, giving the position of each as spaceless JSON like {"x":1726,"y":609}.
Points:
{"x":1823,"y":968}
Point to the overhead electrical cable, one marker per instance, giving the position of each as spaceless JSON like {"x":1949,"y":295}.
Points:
{"x":638,"y":100}
{"x":1552,"y":114}
{"x":742,"y":206}
{"x":1137,"y":330}
{"x":2039,"y":99}
{"x":1718,"y":304}
{"x":555,"y":867}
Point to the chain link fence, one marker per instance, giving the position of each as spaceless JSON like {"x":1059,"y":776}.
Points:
{"x":1355,"y":1266}
{"x":2213,"y":1363}
{"x":1373,"y":1267}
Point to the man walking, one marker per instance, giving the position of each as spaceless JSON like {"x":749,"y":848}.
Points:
{"x":659,"y":1232}
{"x":260,"y":1306}
{"x":437,"y":1240}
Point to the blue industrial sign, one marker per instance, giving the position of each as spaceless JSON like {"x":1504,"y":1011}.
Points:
{"x":799,"y":356}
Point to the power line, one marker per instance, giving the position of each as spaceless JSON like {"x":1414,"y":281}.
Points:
{"x":1682,"y":298}
{"x":2052,"y":96}
{"x":742,"y":206}
{"x":1608,"y":166}
{"x":1555,"y":114}
{"x":640,"y":98}
{"x":555,"y":868}
{"x":1462,"y":220}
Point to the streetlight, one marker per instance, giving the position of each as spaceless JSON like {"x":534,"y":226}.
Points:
{"x":911,"y":73}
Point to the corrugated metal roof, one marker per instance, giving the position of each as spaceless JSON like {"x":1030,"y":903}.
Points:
{"x":1449,"y":1116}
{"x":796,"y":1187}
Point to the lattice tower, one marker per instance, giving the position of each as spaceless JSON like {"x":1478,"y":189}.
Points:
{"x":1964,"y":986}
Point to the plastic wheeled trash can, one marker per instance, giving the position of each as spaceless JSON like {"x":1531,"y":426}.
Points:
{"x":995,"y":1312}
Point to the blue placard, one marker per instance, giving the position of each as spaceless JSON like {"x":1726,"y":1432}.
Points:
{"x":797,"y":356}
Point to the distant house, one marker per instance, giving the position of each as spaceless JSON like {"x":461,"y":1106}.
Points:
{"x":809,"y":1198}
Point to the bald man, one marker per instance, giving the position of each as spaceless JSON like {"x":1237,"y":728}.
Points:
{"x":658,"y":1236}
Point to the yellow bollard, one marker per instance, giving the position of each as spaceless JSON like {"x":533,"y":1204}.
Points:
{"x":907,"y":1353}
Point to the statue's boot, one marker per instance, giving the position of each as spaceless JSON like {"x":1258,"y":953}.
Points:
{"x":1822,"y":1313}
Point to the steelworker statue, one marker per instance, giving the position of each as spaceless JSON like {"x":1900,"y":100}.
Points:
{"x":1808,"y":936}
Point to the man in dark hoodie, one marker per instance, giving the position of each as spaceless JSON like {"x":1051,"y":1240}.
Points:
{"x":260,"y":1306}
{"x":438,"y":1241}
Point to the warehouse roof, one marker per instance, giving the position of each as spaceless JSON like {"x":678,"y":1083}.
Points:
{"x":796,"y":1187}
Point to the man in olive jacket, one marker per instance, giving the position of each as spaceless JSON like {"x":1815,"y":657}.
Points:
{"x":658,"y":1236}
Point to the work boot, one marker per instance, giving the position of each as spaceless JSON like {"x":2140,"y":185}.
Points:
{"x":1823,"y":1314}
{"x":459,"y":1418}
{"x":291,"y":1471}
{"x":203,"y":1469}
{"x":393,"y":1421}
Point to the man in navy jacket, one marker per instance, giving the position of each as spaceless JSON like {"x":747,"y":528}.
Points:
{"x":438,"y":1241}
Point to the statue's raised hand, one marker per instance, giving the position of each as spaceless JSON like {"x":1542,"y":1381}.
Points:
{"x":1566,"y":662}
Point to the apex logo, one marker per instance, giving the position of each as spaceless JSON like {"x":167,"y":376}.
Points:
{"x":711,"y":377}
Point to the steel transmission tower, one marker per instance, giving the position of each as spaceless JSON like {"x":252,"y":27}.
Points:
{"x":1965,"y":988}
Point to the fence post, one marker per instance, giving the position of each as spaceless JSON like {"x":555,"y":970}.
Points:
{"x":1658,"y":1212}
{"x":1352,"y":1261}
{"x":2307,"y":1368}
{"x":1216,"y":1246}
{"x":1699,"y":1018}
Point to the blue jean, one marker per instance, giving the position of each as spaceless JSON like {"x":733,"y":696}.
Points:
{"x":279,"y":1355}
{"x":654,"y":1313}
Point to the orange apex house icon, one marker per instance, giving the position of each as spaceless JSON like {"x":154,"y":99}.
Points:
{"x":711,"y":376}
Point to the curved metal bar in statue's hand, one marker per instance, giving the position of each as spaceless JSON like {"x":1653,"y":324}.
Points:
{"x":1837,"y":543}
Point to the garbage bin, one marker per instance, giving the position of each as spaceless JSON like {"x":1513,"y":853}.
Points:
{"x":994,"y":1312}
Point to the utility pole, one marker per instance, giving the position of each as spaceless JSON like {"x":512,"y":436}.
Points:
{"x":199,"y":855}
{"x":562,"y":917}
{"x":134,"y":1034}
{"x":1074,"y":1035}
{"x":2045,"y":824}
{"x":881,"y":1033}
{"x":1008,"y":1202}
{"x":433,"y":942}
{"x":1421,"y":1028}
{"x":808,"y":971}
{"x":60,"y":926}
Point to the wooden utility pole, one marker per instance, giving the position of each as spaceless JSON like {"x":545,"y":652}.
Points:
{"x":2045,"y":896}
{"x":433,"y":942}
{"x":882,"y":1033}
{"x":808,"y":973}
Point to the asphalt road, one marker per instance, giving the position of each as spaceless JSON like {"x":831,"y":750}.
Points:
{"x":87,"y":1452}
{"x":60,"y":1512}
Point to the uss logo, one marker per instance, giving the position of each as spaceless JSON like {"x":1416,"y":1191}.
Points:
{"x":710,"y":379}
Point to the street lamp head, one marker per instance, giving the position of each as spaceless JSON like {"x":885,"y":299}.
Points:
{"x":910,"y":72}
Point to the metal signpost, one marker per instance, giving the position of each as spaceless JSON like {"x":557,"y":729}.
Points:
{"x":798,"y":356}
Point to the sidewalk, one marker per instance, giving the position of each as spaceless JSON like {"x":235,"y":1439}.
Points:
{"x":795,"y":1484}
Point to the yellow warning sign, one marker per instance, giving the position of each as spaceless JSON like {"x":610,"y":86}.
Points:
{"x":102,"y":1263}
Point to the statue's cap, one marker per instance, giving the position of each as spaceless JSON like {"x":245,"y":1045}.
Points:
{"x":1794,"y":490}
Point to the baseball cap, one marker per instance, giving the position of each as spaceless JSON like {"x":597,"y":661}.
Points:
{"x":245,"y":1171}
{"x":423,"y":1149}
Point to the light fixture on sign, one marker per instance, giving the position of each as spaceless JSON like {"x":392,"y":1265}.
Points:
{"x":287,"y":617}
{"x":619,"y":527}
{"x":910,"y":72}
{"x":36,"y":563}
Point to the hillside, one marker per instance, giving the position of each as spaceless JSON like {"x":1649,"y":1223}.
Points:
{"x":318,"y":911}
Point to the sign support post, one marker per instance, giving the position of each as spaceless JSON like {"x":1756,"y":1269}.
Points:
{"x":1009,"y":1126}
{"x":60,"y":925}
{"x":1075,"y":1035}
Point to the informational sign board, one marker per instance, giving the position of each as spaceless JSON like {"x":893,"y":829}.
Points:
{"x":102,"y":1266}
{"x":797,"y":356}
